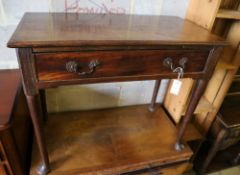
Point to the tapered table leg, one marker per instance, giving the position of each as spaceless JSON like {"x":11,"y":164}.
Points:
{"x":154,"y":96}
{"x":38,"y":130}
{"x":196,"y":94}
{"x":43,"y":104}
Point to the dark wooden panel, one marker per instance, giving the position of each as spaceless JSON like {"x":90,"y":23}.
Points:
{"x":10,"y":82}
{"x":22,"y":129}
{"x":14,"y":124}
{"x":61,"y":29}
{"x":52,"y":66}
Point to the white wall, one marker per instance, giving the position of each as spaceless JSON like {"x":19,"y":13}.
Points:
{"x":87,"y":96}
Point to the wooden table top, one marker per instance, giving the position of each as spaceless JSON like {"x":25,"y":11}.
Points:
{"x":72,"y":29}
{"x":10,"y":82}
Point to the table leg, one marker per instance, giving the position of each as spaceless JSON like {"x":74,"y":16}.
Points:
{"x":154,"y":97}
{"x":38,"y":130}
{"x":212,"y":152}
{"x":196,"y":94}
{"x":43,"y":104}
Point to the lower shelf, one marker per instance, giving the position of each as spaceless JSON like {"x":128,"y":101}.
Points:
{"x":110,"y":141}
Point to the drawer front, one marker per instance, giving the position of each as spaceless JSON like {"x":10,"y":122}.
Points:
{"x":62,"y":66}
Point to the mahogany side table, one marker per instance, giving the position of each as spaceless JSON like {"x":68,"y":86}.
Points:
{"x":59,"y":49}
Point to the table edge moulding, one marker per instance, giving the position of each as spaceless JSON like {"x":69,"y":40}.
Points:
{"x":56,"y":49}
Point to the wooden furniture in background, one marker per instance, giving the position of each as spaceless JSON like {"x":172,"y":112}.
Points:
{"x":224,"y":133}
{"x":14,"y":125}
{"x":234,"y":89}
{"x":221,"y":18}
{"x":63,"y":49}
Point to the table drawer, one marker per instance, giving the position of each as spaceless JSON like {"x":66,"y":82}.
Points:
{"x":76,"y":65}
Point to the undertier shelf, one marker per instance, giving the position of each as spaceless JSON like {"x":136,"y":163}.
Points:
{"x":110,"y":141}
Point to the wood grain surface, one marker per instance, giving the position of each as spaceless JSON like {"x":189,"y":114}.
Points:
{"x":52,"y":66}
{"x":72,"y":29}
{"x":128,"y":47}
{"x":110,"y":141}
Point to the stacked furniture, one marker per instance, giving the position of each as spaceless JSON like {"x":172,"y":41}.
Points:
{"x":224,"y":139}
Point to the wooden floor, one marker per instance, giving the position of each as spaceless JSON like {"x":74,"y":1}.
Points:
{"x":111,"y":140}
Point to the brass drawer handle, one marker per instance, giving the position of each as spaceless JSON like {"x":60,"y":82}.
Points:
{"x":168,"y":62}
{"x":73,"y":67}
